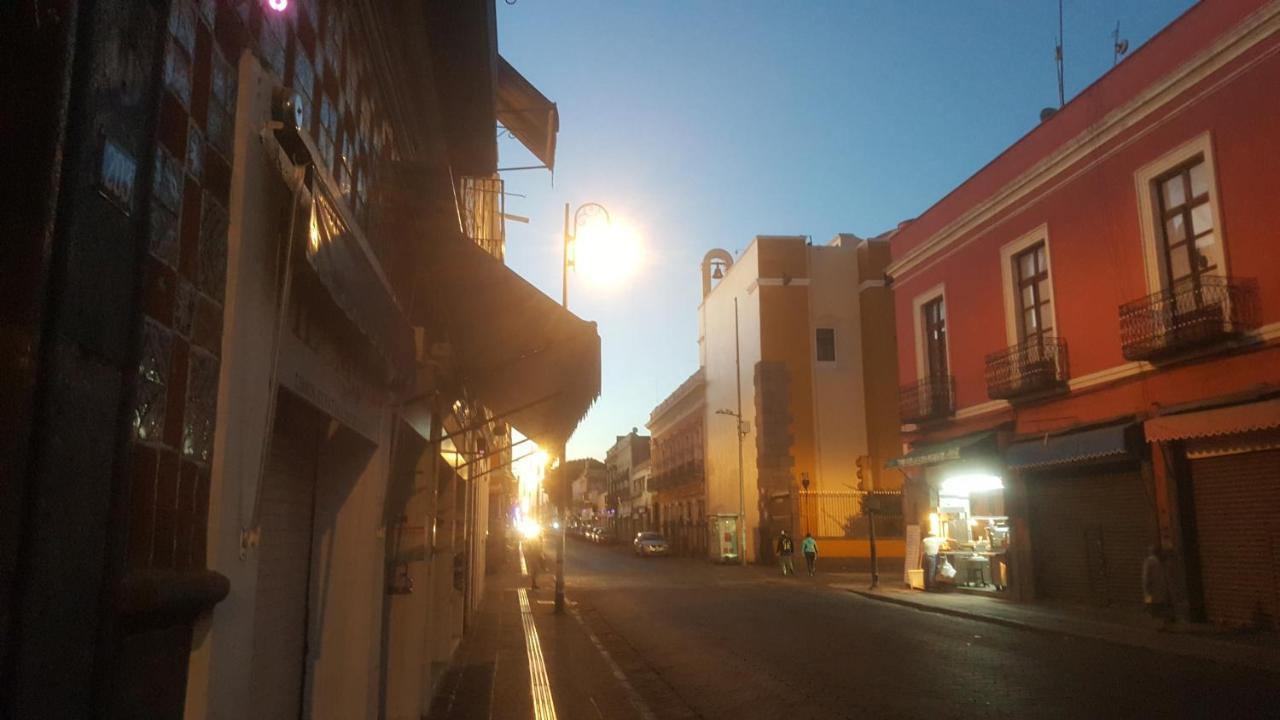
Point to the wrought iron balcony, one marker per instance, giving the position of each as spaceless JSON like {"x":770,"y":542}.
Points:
{"x":1033,"y":366}
{"x":481,"y":207}
{"x":1188,"y":317}
{"x":929,"y":398}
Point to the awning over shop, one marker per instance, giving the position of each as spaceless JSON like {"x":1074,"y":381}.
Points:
{"x":962,"y":448}
{"x":527,"y":113}
{"x":346,"y":266}
{"x":1114,"y":441}
{"x":1231,"y":420}
{"x":532,"y":363}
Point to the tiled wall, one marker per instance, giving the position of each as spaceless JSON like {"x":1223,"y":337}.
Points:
{"x":316,"y":47}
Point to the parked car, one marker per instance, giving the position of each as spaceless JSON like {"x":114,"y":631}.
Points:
{"x":650,"y":544}
{"x":605,"y":536}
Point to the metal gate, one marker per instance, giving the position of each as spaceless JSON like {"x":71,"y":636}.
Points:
{"x":284,"y":560}
{"x":1090,"y":531}
{"x":1237,"y":518}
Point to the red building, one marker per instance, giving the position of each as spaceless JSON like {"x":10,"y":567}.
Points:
{"x":1088,"y":334}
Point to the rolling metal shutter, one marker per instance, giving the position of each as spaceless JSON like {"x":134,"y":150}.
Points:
{"x":1237,"y":515}
{"x":1090,"y":531}
{"x":284,"y":561}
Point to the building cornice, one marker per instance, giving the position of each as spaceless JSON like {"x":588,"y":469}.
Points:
{"x":1256,"y":28}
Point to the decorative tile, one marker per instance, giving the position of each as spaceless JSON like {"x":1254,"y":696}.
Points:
{"x":163,"y":236}
{"x":150,"y":389}
{"x":202,"y":407}
{"x":212,"y":270}
{"x":182,"y":25}
{"x":167,"y":186}
{"x":209,"y":11}
{"x":184,"y":309}
{"x":177,"y":73}
{"x":222,"y":84}
{"x":195,"y":152}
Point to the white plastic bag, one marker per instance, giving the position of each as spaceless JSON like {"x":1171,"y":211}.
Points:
{"x":946,"y":570}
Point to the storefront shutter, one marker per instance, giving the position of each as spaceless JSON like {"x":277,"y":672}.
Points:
{"x":1237,"y":516}
{"x":1090,"y":531}
{"x":284,"y":560}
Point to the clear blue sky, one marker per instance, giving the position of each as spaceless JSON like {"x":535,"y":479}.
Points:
{"x":707,"y":122}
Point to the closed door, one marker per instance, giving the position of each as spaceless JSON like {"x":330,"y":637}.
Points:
{"x":1089,"y":534}
{"x":1237,"y":519}
{"x":284,"y":562}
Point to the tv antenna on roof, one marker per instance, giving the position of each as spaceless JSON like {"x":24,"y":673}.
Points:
{"x":1121,"y":47}
{"x":1057,"y":56}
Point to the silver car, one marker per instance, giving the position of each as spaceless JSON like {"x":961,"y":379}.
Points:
{"x":650,"y":544}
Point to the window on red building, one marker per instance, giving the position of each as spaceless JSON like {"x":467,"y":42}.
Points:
{"x":1188,"y":243}
{"x":935,"y":338}
{"x":1031,"y":288}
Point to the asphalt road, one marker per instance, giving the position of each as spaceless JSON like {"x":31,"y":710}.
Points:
{"x":686,"y":639}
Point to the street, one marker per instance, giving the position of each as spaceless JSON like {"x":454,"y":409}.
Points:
{"x":688,"y":639}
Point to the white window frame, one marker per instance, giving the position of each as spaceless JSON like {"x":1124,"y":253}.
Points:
{"x":1007,"y":253}
{"x":917,"y":305}
{"x":1148,"y":207}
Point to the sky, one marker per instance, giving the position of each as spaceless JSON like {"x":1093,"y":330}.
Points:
{"x":703,"y":123}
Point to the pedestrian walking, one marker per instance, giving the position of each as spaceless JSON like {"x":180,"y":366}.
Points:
{"x":809,"y":547}
{"x":931,"y":544}
{"x":533,"y":559}
{"x":1155,"y":587}
{"x":785,"y":548}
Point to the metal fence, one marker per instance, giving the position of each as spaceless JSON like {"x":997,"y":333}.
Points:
{"x":843,"y":513}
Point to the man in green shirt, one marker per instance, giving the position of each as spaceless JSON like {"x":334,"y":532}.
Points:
{"x":810,"y":548}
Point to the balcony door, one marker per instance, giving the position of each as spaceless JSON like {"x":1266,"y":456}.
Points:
{"x":1188,"y":243}
{"x":1035,"y":315}
{"x":934,"y":316}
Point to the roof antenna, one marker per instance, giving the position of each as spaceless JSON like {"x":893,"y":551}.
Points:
{"x":1121,"y":47}
{"x":1057,"y":52}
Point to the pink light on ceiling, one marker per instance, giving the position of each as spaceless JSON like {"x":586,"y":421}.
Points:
{"x":278,"y":5}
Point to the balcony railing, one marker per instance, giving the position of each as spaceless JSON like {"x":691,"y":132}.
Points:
{"x":1033,"y":366}
{"x":1188,"y":317}
{"x":687,"y":472}
{"x":929,"y":398}
{"x":480,"y":205}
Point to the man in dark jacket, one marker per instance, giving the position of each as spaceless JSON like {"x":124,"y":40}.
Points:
{"x":785,"y":548}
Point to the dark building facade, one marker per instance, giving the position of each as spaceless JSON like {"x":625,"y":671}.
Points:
{"x":248,"y":386}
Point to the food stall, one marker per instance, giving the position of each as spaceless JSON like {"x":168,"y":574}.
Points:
{"x":969,"y":517}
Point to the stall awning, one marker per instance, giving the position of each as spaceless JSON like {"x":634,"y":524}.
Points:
{"x":1103,"y":443}
{"x":961,"y":448}
{"x":527,"y":113}
{"x":1231,"y":420}
{"x":527,"y":359}
{"x":346,"y":266}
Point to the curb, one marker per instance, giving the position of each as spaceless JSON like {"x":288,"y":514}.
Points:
{"x":1253,"y":663}
{"x":923,"y":607}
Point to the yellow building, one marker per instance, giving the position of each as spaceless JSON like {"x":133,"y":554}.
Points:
{"x":797,"y":346}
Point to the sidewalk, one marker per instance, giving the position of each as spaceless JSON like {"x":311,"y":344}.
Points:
{"x":1130,"y":628}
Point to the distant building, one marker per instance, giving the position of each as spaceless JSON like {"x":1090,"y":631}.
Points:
{"x":627,"y":453}
{"x":678,"y":481}
{"x":590,"y":488}
{"x":803,"y":335}
{"x":1090,"y":333}
{"x":641,"y":496}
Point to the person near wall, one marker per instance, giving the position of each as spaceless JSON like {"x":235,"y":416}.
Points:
{"x":785,"y":549}
{"x":930,"y":545}
{"x":533,"y":559}
{"x":1155,"y":587}
{"x":809,"y":547}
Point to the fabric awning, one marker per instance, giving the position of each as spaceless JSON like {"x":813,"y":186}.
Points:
{"x":527,"y":113}
{"x":531,"y":362}
{"x":1103,"y":443}
{"x":1218,"y":421}
{"x":961,"y":448}
{"x":341,"y":258}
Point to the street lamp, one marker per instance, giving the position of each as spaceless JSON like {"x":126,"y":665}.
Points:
{"x":569,"y":238}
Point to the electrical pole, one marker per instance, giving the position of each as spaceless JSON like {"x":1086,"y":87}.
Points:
{"x":742,"y":487}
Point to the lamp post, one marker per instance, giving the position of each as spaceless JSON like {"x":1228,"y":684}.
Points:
{"x":743,"y":429}
{"x":569,"y":262}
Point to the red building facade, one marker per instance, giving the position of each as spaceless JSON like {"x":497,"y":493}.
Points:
{"x":1088,"y":333}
